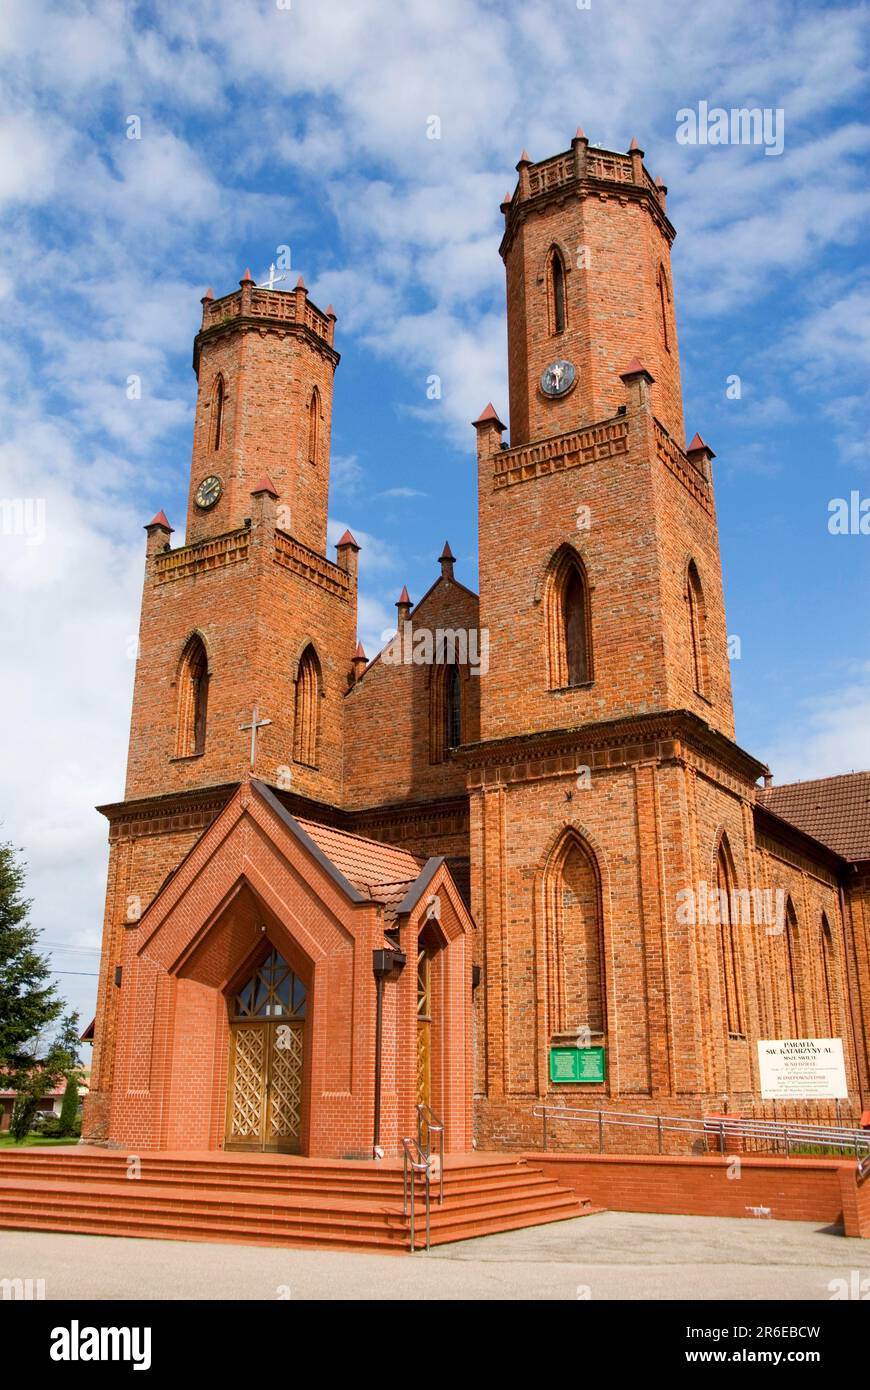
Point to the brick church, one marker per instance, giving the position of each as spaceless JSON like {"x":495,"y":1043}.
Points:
{"x":340,"y":888}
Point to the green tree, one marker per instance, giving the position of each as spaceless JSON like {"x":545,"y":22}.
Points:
{"x":34,"y":1081}
{"x":29,"y":1004}
{"x":69,"y":1110}
{"x":28,"y":999}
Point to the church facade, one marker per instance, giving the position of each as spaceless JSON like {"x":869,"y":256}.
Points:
{"x":522,"y":837}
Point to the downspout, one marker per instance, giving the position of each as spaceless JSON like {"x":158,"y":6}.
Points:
{"x":384,"y":962}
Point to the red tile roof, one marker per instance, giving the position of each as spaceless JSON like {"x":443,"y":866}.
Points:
{"x":834,"y":810}
{"x":380,"y":871}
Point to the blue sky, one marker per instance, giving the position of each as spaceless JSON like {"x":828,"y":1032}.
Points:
{"x":307,"y":126}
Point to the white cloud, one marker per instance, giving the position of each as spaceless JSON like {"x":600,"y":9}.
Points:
{"x":345,"y":474}
{"x":30,"y":152}
{"x":827,"y":733}
{"x":376,"y":557}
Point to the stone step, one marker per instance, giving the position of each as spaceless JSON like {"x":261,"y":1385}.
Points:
{"x":333,"y":1206}
{"x":370,"y":1181}
{"x":289,"y":1180}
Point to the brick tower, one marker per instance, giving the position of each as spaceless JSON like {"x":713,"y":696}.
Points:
{"x":250,"y":612}
{"x":606,"y":768}
{"x":596,"y":463}
{"x":264,"y":365}
{"x":247,"y":615}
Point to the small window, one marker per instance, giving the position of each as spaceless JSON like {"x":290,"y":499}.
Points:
{"x":664,"y":306}
{"x":218,"y":414}
{"x":313,"y":426}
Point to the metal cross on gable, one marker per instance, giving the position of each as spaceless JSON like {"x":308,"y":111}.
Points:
{"x":255,"y":724}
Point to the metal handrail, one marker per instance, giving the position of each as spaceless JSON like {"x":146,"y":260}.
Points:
{"x":426,"y":1115}
{"x":726,"y":1127}
{"x":411,"y":1166}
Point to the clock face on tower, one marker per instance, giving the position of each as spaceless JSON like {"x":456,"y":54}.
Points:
{"x":208,"y":491}
{"x":558,"y":378}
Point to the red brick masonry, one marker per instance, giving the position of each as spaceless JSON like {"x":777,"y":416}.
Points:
{"x":795,"y":1189}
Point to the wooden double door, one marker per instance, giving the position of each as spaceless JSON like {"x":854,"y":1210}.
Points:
{"x":266,"y":1063}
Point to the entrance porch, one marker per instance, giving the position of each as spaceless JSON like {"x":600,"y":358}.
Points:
{"x":291,"y":988}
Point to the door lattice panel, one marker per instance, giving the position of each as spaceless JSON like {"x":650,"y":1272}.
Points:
{"x":248,"y":1083}
{"x":423,"y":1065}
{"x":424,"y":1027}
{"x":286,"y":1082}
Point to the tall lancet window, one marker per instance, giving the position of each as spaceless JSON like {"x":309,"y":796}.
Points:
{"x":557,"y":292}
{"x":793,"y":984}
{"x":445,"y":709}
{"x":453,"y":710}
{"x":829,"y":983}
{"x":730,"y":956}
{"x":568,"y":628}
{"x":192,"y":699}
{"x":313,"y":426}
{"x":575,"y":973}
{"x":697,"y":630}
{"x":218,"y":414}
{"x":664,"y":305}
{"x":306,"y":730}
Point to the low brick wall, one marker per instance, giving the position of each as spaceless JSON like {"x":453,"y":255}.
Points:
{"x":797,"y":1189}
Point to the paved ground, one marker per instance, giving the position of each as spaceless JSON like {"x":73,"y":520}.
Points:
{"x":611,"y":1255}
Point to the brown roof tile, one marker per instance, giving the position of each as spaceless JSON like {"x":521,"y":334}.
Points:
{"x":834,"y":810}
{"x":381,"y":871}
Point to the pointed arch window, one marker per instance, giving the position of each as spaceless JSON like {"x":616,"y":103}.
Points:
{"x":556,"y":291}
{"x":730,"y":959}
{"x":306,"y":728}
{"x":697,"y":630}
{"x":574,"y":945}
{"x":568,"y":623}
{"x":829,"y":991}
{"x":445,"y":709}
{"x":193,"y":680}
{"x":218,"y":414}
{"x":793,"y":981}
{"x":453,"y":706}
{"x":313,"y":426}
{"x":664,"y":305}
{"x":273,"y":991}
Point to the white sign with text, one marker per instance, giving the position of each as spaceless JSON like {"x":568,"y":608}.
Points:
{"x":802,"y":1069}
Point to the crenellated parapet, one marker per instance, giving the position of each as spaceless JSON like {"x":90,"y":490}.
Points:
{"x":584,"y":171}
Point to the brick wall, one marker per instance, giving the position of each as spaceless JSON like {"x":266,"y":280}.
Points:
{"x":798,"y":1189}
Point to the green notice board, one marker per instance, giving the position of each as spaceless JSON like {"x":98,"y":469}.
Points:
{"x":577,"y":1064}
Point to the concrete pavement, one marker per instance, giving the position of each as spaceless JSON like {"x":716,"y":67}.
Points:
{"x":610,"y":1255}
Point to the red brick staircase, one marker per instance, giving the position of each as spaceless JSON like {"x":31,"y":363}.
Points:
{"x":269,"y":1199}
